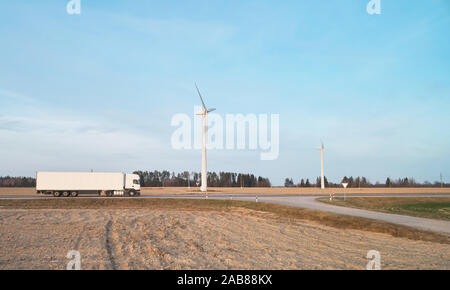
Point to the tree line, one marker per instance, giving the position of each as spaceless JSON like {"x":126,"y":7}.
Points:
{"x":166,"y":178}
{"x":363,"y":182}
{"x":230,"y":179}
{"x":222,"y":179}
{"x":8,"y":181}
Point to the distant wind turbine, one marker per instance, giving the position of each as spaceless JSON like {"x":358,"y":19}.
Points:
{"x":322,"y":178}
{"x":204,"y":114}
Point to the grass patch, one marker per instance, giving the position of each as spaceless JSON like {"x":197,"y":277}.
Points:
{"x":426,"y":207}
{"x":324,"y":218}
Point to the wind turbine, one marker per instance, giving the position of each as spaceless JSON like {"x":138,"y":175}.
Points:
{"x":204,"y":114}
{"x":322,"y":179}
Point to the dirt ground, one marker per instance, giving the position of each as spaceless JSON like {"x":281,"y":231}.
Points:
{"x":175,"y":239}
{"x":8,"y":191}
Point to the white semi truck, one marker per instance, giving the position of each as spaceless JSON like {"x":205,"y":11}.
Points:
{"x":74,"y":183}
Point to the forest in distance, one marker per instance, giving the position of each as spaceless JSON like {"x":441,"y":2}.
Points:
{"x":166,"y":178}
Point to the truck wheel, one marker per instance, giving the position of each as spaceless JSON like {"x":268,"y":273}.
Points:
{"x":66,"y":193}
{"x":132,"y":193}
{"x":56,"y":193}
{"x":108,"y":193}
{"x":74,"y":194}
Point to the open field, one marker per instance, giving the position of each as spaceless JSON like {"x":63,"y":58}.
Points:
{"x":5,"y":191}
{"x":188,"y":234}
{"x":324,"y":218}
{"x":203,"y":234}
{"x":426,"y":207}
{"x":284,"y":190}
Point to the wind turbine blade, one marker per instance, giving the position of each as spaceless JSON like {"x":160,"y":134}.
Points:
{"x":200,"y":95}
{"x":211,"y":110}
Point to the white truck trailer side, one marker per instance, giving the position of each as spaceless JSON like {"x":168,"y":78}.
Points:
{"x":74,"y":183}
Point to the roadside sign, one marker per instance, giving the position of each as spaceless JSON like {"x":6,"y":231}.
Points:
{"x":345,"y":184}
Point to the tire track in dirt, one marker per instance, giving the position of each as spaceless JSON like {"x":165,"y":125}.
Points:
{"x":79,"y":238}
{"x":109,"y":243}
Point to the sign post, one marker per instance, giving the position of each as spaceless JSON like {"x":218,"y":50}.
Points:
{"x":345,"y":184}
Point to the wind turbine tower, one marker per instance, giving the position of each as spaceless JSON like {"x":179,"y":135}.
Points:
{"x":204,"y":113}
{"x":322,"y":178}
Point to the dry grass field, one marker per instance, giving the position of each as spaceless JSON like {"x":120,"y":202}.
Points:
{"x":131,"y":233}
{"x":283,"y":190}
{"x":426,"y":207}
{"x":8,"y":191}
{"x":5,"y":191}
{"x":199,"y":234}
{"x":170,"y":239}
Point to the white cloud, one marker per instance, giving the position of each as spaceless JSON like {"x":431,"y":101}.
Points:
{"x":50,"y":138}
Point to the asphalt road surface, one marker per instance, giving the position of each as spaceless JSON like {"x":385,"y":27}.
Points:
{"x":312,"y":203}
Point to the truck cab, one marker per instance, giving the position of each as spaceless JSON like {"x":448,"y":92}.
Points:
{"x":132,"y":184}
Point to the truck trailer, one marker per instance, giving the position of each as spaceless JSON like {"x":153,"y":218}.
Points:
{"x":74,"y":183}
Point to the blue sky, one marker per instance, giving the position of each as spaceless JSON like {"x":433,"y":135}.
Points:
{"x":98,"y":90}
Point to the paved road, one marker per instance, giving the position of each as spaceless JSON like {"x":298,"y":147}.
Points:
{"x":252,"y":196}
{"x":309,"y":202}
